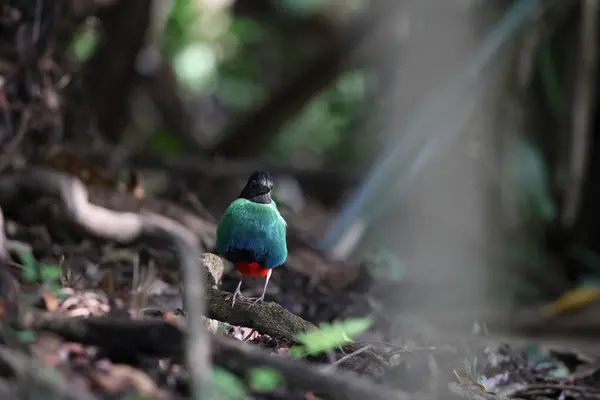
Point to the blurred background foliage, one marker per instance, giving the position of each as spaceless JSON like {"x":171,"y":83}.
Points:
{"x":235,"y":60}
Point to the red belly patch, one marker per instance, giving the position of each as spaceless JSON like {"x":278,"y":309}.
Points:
{"x":251,"y":269}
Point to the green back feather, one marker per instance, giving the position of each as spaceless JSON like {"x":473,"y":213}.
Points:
{"x":256,"y":227}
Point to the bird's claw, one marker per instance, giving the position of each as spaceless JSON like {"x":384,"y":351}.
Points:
{"x":235,"y":295}
{"x":256,"y":300}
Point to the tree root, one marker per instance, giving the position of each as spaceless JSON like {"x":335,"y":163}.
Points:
{"x":125,"y":228}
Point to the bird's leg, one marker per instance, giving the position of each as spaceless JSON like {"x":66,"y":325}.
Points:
{"x":262,"y":296}
{"x":237,"y":291}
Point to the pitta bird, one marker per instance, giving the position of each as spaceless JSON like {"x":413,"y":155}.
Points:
{"x":252,"y":233}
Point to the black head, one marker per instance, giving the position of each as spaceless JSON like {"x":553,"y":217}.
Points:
{"x":258,"y":188}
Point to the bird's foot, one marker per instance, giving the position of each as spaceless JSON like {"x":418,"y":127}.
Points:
{"x":235,"y":295}
{"x":256,"y":300}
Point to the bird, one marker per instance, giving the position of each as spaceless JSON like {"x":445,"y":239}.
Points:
{"x":251,"y":233}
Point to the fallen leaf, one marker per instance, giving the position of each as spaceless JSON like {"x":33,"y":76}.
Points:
{"x":51,"y":301}
{"x":573,"y":299}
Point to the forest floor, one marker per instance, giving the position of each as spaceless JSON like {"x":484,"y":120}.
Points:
{"x":91,"y":283}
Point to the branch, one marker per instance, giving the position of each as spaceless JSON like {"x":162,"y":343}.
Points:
{"x":268,"y":317}
{"x":125,"y":228}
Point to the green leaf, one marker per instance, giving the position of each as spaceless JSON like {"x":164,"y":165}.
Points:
{"x":222,"y":328}
{"x":331,"y":336}
{"x":50,"y":272}
{"x":226,"y":385}
{"x":56,"y":288}
{"x":26,"y":336}
{"x":84,"y":44}
{"x":29,"y":266}
{"x":264,"y":379}
{"x":298,"y":352}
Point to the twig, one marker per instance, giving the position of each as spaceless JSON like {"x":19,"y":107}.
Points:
{"x":126,"y":228}
{"x":399,"y":348}
{"x":582,"y":109}
{"x":348,"y":356}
